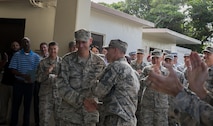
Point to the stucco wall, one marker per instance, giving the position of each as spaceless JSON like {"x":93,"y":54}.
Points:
{"x":116,"y":28}
{"x":152,"y":42}
{"x":181,"y":51}
{"x":39,"y":21}
{"x":158,"y":43}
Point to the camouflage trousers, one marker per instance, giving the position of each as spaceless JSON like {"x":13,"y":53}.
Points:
{"x":47,"y":107}
{"x":173,"y":113}
{"x":65,"y":123}
{"x":114,"y":120}
{"x":147,"y":117}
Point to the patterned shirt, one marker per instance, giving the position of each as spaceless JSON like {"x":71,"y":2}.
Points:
{"x":74,"y":83}
{"x":153,"y":106}
{"x":201,"y":111}
{"x":137,"y":66}
{"x":118,"y":87}
{"x":156,"y":99}
{"x":48,"y":81}
{"x":209,"y":84}
{"x":25,"y":63}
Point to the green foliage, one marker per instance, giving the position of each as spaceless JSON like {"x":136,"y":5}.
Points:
{"x":138,"y":8}
{"x":166,"y":16}
{"x":121,"y":6}
{"x":201,"y":15}
{"x":196,"y":21}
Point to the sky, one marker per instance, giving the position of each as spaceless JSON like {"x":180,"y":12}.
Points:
{"x":107,"y":1}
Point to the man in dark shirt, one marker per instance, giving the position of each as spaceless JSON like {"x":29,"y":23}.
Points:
{"x":7,"y":83}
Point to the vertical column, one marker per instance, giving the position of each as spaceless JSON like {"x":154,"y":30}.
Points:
{"x":83,"y":14}
{"x":71,"y":15}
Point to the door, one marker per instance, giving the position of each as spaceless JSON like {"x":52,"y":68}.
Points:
{"x":10,"y":30}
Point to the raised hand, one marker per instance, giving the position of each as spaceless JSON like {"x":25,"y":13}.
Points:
{"x":166,"y":84}
{"x":197,"y":75}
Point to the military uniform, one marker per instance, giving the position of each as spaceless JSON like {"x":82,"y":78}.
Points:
{"x":201,"y":111}
{"x":209,"y":84}
{"x":209,"y":81}
{"x":185,"y":118}
{"x":136,"y":66}
{"x":174,"y":114}
{"x":134,"y":63}
{"x":49,"y":99}
{"x":74,"y":86}
{"x":118,"y":87}
{"x":153,"y":107}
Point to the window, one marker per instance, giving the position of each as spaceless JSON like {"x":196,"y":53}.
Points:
{"x":97,"y":41}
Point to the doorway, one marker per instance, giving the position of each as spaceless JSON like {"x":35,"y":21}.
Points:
{"x":10,"y":30}
{"x":97,"y":41}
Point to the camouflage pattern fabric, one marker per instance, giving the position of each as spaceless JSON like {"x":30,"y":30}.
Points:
{"x":201,"y":111}
{"x":152,"y":110}
{"x":136,"y":66}
{"x":48,"y":94}
{"x":174,"y":113}
{"x":74,"y":83}
{"x":118,"y":87}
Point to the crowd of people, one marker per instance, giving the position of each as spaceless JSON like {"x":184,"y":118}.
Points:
{"x":93,"y":87}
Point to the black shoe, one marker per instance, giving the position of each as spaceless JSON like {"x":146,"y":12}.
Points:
{"x":3,"y":123}
{"x":36,"y":124}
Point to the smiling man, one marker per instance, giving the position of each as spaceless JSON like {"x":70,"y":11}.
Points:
{"x":47,"y":73}
{"x":153,"y":106}
{"x":77,"y":70}
{"x":23,"y":65}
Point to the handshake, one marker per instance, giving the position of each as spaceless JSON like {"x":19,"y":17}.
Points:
{"x":91,"y":104}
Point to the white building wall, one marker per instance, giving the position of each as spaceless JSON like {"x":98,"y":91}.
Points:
{"x":152,"y":42}
{"x":116,"y":28}
{"x":181,"y":51}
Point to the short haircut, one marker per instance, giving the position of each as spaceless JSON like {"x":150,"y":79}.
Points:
{"x":72,"y":43}
{"x":94,"y":46}
{"x":43,"y":43}
{"x":14,"y":42}
{"x":53,"y":44}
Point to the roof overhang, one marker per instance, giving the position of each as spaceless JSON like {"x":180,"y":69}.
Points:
{"x":122,"y":15}
{"x":169,"y":35}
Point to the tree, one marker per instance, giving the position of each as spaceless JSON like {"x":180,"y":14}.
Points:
{"x":138,"y":8}
{"x":166,"y":16}
{"x":121,"y":6}
{"x":163,"y":13}
{"x":196,"y":21}
{"x":201,"y":14}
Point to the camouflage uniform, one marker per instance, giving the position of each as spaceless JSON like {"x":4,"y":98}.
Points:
{"x":136,"y":66}
{"x":118,"y":86}
{"x":201,"y":111}
{"x":209,"y":84}
{"x":48,"y":94}
{"x":153,"y":109}
{"x":74,"y":86}
{"x":174,"y":113}
{"x":185,"y":118}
